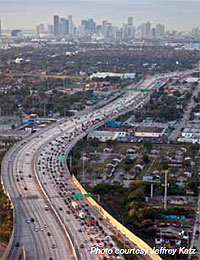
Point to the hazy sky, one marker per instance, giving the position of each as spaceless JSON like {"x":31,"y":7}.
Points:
{"x":25,"y":14}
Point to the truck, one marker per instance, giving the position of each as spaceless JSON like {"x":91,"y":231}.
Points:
{"x":74,"y":204}
{"x":81,"y":214}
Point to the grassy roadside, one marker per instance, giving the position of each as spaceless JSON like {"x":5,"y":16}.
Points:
{"x":6,"y":214}
{"x":120,"y":245}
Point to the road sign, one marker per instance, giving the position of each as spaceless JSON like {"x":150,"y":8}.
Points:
{"x":61,"y":158}
{"x":78,"y":195}
{"x":87,"y":194}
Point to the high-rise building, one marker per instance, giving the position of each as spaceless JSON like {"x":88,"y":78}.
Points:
{"x":160,"y":31}
{"x":153,"y":33}
{"x":104,"y":27}
{"x":66,"y":27}
{"x":195,"y":32}
{"x":145,"y":29}
{"x":71,"y":25}
{"x":62,"y":26}
{"x":130,"y":21}
{"x":40,"y":29}
{"x":148,"y":30}
{"x":56,"y":26}
{"x":50,"y":29}
{"x":88,"y":25}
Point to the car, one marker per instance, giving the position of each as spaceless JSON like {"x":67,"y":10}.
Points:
{"x":17,"y":244}
{"x":197,"y":234}
{"x":28,"y":221}
{"x":36,"y":229}
{"x":82,"y":246}
{"x":48,"y":234}
{"x":46,"y":208}
{"x":32,"y":219}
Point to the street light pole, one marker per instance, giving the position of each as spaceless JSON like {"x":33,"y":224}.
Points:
{"x":83,"y":168}
{"x":165,"y":192}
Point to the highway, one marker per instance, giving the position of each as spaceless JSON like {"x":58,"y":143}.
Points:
{"x":47,"y":223}
{"x":32,"y":222}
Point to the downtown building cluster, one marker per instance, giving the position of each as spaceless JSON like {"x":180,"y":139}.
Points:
{"x":89,"y":30}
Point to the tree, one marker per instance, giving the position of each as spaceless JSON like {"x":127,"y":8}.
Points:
{"x":147,"y":145}
{"x":146,"y":158}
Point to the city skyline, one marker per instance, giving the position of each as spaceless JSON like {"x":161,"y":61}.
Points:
{"x":162,"y":11}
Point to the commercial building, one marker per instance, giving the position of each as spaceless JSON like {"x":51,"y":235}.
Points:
{"x":150,"y":132}
{"x":16,"y":33}
{"x":64,"y":27}
{"x":110,"y":74}
{"x":160,"y":31}
{"x":56,"y":26}
{"x":71,"y":25}
{"x":145,"y":30}
{"x":103,"y":136}
{"x":191,"y":132}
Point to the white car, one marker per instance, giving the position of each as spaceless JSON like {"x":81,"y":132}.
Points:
{"x":36,"y":229}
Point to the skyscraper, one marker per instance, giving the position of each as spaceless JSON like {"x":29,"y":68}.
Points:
{"x":160,"y":31}
{"x":71,"y":25}
{"x":50,"y":29}
{"x":66,"y":27}
{"x":40,"y":29}
{"x":145,"y":29}
{"x":56,"y":25}
{"x":153,"y":33}
{"x":62,"y":26}
{"x":130,"y":21}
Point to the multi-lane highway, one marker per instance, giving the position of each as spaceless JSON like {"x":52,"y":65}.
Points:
{"x":47,"y":221}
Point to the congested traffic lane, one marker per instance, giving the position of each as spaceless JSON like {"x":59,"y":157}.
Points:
{"x":32,"y":223}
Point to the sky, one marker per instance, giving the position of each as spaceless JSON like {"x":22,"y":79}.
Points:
{"x":175,"y":14}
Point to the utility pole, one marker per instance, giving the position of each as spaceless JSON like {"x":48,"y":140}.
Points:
{"x":83,"y":168}
{"x":65,"y":111}
{"x":151,"y":190}
{"x":44,"y":110}
{"x":165,"y":192}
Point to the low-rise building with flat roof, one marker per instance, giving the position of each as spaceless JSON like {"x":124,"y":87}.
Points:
{"x":151,"y":132}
